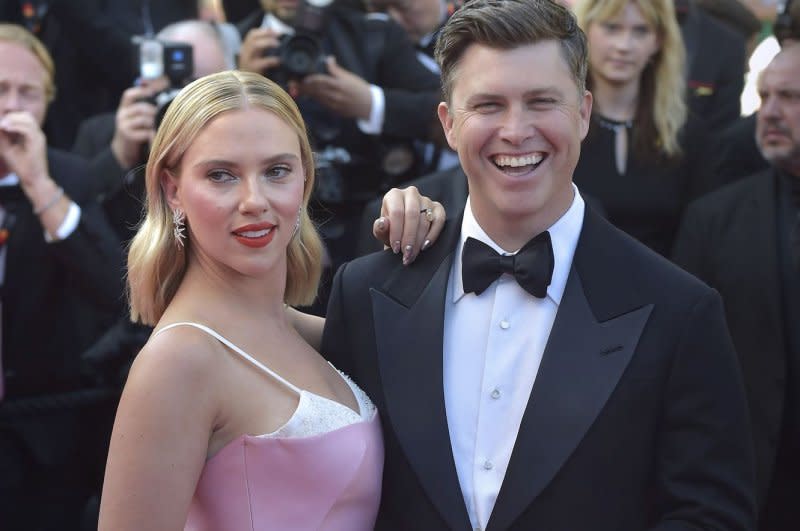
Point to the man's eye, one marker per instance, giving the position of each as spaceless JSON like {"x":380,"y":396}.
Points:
{"x":486,"y":106}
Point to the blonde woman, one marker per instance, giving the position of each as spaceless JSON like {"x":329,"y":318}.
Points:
{"x":644,"y":157}
{"x":229,"y":419}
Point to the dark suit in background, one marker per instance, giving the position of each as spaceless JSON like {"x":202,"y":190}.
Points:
{"x":58,"y":298}
{"x":733,"y":239}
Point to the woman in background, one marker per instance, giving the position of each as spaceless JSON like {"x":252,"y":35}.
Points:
{"x":644,"y":159}
{"x":229,"y":419}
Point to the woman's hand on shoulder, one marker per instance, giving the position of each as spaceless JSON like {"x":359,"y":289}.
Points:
{"x":159,"y":444}
{"x":409,"y":223}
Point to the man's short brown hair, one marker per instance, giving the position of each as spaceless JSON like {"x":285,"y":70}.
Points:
{"x":508,"y":24}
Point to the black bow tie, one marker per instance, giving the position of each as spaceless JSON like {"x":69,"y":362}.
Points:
{"x":532,"y":266}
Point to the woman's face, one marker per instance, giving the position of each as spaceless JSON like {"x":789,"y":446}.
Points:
{"x":621,"y":46}
{"x":240,"y":184}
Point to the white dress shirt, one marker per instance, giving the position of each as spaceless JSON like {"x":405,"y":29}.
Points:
{"x":493,"y":345}
{"x":68,"y":224}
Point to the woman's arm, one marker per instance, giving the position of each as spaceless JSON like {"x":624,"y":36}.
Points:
{"x":160,"y":439}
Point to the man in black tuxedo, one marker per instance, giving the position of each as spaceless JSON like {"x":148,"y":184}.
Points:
{"x":597,"y":387}
{"x":744,"y":240}
{"x":61,"y":286}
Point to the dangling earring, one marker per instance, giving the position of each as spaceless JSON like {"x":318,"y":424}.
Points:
{"x":297,"y":223}
{"x":178,"y":227}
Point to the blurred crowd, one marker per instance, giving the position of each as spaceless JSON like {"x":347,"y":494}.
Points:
{"x":669,"y":159}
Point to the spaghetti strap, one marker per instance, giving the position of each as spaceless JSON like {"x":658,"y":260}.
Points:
{"x":234,"y":348}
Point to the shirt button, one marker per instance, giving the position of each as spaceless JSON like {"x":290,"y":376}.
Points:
{"x":504,"y":324}
{"x":496,"y":393}
{"x":487,"y":465}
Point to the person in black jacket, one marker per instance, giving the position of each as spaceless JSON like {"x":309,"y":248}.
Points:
{"x":61,"y":287}
{"x":744,"y":240}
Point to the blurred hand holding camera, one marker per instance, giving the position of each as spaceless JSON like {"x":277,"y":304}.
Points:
{"x":135,"y":121}
{"x":254,"y":55}
{"x":339,"y":90}
{"x":23,"y":149}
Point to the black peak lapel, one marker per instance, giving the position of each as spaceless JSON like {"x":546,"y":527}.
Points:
{"x":409,"y":323}
{"x":582,"y":363}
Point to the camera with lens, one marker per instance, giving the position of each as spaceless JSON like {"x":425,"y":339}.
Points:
{"x":301,"y":53}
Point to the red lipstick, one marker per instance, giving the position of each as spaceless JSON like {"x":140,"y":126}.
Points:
{"x":255,"y":235}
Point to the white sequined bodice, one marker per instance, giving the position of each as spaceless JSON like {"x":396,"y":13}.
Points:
{"x":314,"y":414}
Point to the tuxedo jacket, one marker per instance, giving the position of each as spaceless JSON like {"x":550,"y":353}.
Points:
{"x":636,"y":420}
{"x":59,"y":297}
{"x":729,"y":239}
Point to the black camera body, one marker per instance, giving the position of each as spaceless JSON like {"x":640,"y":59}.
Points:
{"x":302,"y":53}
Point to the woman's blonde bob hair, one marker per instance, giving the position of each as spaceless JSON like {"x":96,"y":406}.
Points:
{"x":661,"y":111}
{"x":156,"y":264}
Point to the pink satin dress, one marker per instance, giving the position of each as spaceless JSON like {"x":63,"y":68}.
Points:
{"x":321,"y":470}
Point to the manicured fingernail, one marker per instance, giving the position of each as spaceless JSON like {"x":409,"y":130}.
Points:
{"x":425,"y":244}
{"x":396,"y":247}
{"x":407,"y":254}
{"x":381,"y":224}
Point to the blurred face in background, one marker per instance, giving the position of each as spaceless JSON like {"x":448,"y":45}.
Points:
{"x":22,"y":82}
{"x":283,"y":9}
{"x":778,"y":123}
{"x":621,"y":46}
{"x":418,"y":17}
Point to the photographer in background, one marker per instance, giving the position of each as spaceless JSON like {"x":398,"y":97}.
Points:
{"x":116,"y":144}
{"x":61,"y":287}
{"x":365,"y":105}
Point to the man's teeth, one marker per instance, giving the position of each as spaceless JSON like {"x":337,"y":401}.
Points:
{"x":254,"y":233}
{"x":516,"y":162}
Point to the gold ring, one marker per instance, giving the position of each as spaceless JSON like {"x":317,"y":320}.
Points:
{"x":428,"y":214}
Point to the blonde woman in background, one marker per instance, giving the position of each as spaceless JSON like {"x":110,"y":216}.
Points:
{"x":229,"y":419}
{"x":644,"y":157}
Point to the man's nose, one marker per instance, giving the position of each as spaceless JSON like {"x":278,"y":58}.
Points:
{"x":517,"y":125}
{"x":769,"y":107}
{"x":11,"y":101}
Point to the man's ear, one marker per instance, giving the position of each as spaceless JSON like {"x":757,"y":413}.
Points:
{"x":169,"y":185}
{"x":446,"y":120}
{"x":585,"y":113}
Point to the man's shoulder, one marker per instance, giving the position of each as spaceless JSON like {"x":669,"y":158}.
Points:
{"x":619,"y":264}
{"x":730,"y":197}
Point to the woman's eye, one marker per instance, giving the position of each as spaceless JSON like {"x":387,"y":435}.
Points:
{"x":278,"y":172}
{"x":220,"y":176}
